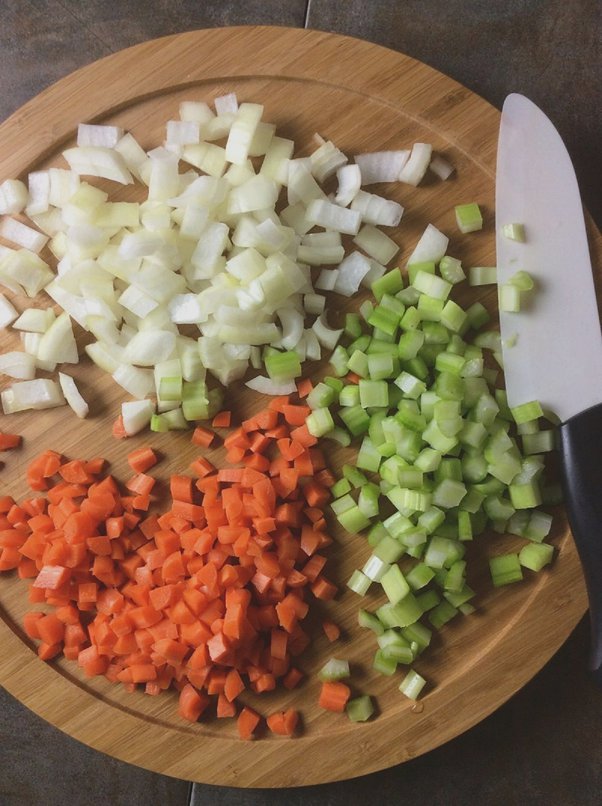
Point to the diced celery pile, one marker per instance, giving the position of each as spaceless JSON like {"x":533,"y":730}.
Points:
{"x":441,"y":458}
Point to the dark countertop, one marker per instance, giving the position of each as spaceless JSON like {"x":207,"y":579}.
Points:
{"x":543,"y":746}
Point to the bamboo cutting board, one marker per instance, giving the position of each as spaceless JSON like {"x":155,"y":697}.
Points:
{"x":364,"y":98}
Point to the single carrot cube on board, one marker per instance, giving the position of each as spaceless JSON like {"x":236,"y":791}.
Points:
{"x":283,"y":723}
{"x":247,"y":722}
{"x":334,"y":696}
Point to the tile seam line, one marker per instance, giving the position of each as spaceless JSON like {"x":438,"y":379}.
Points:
{"x":307,"y":14}
{"x":83,"y":23}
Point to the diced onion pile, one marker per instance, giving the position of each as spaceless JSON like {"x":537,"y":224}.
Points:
{"x":225,"y":241}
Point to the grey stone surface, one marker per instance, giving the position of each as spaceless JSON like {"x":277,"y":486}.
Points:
{"x":542,"y":747}
{"x":44,"y":40}
{"x":120,"y":24}
{"x":41,"y":766}
{"x":40,"y":42}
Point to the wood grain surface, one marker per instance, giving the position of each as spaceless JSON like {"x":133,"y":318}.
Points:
{"x":364,"y":98}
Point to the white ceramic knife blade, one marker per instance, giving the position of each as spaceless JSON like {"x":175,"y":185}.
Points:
{"x":556,"y":356}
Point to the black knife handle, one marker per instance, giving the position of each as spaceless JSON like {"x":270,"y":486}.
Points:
{"x":581,"y":447}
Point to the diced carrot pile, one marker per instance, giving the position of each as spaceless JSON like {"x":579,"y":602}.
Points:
{"x":208,"y":597}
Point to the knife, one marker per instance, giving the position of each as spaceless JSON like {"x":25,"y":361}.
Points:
{"x":556,"y":352}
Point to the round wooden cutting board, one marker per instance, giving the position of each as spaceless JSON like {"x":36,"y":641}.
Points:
{"x":364,"y":98}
